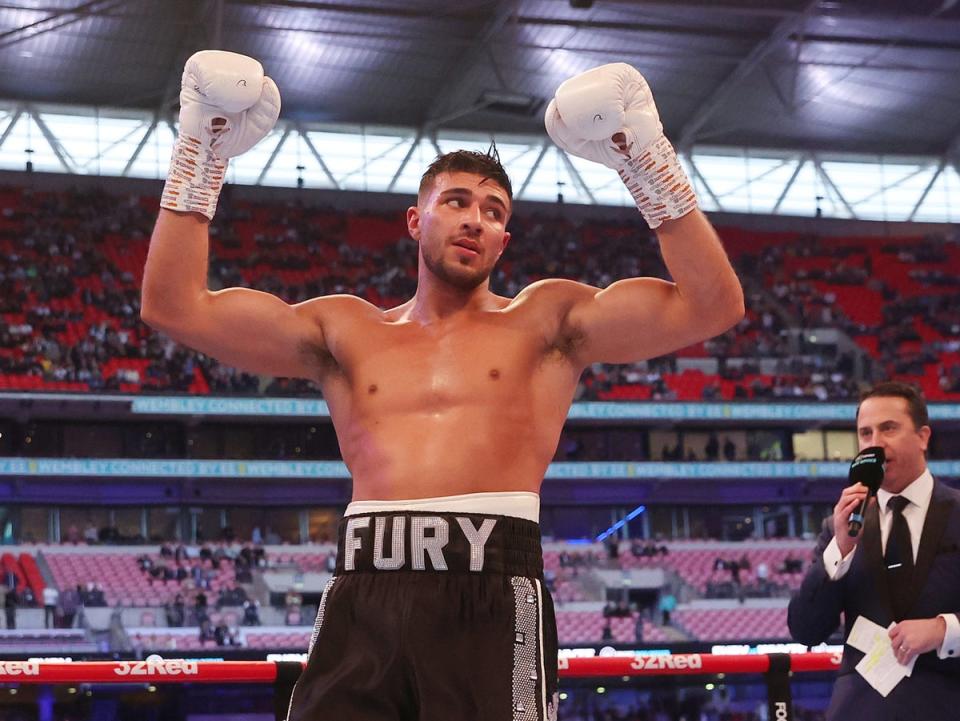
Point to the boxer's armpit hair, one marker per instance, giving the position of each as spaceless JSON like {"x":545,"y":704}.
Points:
{"x":567,"y":343}
{"x":320,"y":358}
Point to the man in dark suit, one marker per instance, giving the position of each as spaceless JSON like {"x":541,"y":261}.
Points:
{"x":902,"y":569}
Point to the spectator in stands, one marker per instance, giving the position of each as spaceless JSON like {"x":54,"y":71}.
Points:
{"x":729,"y":449}
{"x":221,"y":634}
{"x":733,"y":566}
{"x":550,"y":578}
{"x":712,"y":449}
{"x":80,"y":595}
{"x":51,"y":596}
{"x":94,"y":596}
{"x":10,"y":607}
{"x":207,"y":631}
{"x":613,"y":548}
{"x":73,"y":534}
{"x":638,"y":629}
{"x":791,"y":564}
{"x":607,"y":633}
{"x":251,"y":612}
{"x":196,"y":573}
{"x":231,"y":595}
{"x":763,"y":571}
{"x":667,"y":605}
{"x":293,"y":604}
{"x":136,"y":647}
{"x":176,"y":612}
{"x":200,"y":607}
{"x":241,"y":569}
{"x":90,"y":533}
{"x":272,"y":538}
{"x":26,"y":597}
{"x":763,"y":587}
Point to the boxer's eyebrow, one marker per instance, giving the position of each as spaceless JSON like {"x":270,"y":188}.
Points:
{"x":490,"y":197}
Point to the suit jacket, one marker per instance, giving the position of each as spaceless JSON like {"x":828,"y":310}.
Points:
{"x":932,"y":692}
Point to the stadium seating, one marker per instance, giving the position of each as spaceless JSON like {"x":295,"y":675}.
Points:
{"x":734,"y":624}
{"x":896,"y":297}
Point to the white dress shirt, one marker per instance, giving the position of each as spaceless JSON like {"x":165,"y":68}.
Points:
{"x":918,"y":493}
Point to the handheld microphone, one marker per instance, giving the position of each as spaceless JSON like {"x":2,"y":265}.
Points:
{"x":867,"y":468}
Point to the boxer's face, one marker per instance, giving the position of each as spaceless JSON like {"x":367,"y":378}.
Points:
{"x":461,"y":226}
{"x":886,"y":422}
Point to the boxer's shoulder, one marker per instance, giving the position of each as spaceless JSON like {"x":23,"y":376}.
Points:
{"x":553,"y":295}
{"x":339,"y":309}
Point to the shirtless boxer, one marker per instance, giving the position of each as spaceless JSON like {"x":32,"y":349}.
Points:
{"x":448,"y":407}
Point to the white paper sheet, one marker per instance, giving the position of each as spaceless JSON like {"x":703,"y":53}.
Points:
{"x":879,"y":667}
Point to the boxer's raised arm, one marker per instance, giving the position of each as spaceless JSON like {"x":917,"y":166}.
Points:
{"x":639,"y":318}
{"x":241,"y":327}
{"x":608,"y":115}
{"x":227,"y":105}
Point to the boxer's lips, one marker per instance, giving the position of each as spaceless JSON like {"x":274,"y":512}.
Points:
{"x":468,"y":245}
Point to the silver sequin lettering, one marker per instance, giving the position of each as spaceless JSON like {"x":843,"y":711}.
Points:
{"x":352,"y":543}
{"x":397,"y":557}
{"x":420,"y":542}
{"x":477,"y":538}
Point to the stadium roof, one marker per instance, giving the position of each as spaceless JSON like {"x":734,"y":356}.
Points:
{"x":870,"y":76}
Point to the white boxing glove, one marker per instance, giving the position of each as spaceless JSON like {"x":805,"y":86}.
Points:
{"x":607,"y":115}
{"x":227,"y":106}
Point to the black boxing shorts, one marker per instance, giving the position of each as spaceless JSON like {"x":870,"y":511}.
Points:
{"x":433,"y":616}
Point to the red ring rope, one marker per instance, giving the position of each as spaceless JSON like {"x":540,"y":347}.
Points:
{"x":179,"y":671}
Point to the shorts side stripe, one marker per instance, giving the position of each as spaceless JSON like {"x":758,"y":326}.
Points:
{"x":317,"y":625}
{"x":540,"y":652}
{"x":526,"y":637}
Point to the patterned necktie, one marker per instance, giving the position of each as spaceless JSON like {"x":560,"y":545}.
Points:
{"x":898,"y":557}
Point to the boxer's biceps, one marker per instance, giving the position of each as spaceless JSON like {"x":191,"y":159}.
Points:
{"x":255,"y":332}
{"x":632,"y":320}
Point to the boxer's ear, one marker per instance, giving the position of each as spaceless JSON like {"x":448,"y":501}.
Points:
{"x":413,"y":222}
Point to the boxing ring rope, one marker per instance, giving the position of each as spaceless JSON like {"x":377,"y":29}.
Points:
{"x":776,"y":668}
{"x":184,"y":671}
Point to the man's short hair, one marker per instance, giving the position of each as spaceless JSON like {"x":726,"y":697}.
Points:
{"x":916,"y":405}
{"x":485,"y":164}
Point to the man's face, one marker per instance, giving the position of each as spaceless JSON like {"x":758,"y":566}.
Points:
{"x":460,"y":225}
{"x":885,"y":422}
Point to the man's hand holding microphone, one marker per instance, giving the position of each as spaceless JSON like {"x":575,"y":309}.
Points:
{"x":866,"y":475}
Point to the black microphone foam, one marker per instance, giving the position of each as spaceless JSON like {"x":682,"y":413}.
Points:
{"x":867,"y":468}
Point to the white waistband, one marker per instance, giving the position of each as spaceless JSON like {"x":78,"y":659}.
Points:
{"x":519,"y":504}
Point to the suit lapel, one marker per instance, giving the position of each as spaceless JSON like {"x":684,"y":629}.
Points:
{"x":933,"y":527}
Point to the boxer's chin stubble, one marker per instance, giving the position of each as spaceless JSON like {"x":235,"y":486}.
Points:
{"x":458,"y":275}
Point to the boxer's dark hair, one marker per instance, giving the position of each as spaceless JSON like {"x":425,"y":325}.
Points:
{"x":485,"y":164}
{"x":916,"y":405}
